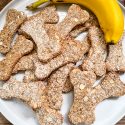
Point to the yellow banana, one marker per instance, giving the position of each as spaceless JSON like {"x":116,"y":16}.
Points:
{"x":108,"y":12}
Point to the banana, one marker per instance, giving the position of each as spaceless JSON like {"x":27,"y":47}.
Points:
{"x":108,"y":12}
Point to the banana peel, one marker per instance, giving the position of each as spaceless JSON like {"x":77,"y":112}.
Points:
{"x":108,"y":12}
{"x":36,"y":4}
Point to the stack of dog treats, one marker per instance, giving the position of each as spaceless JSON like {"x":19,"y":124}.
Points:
{"x":47,"y":51}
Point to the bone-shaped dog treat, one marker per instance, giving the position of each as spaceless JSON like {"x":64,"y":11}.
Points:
{"x":73,"y":51}
{"x":97,"y":54}
{"x":33,"y":93}
{"x":84,"y":27}
{"x":67,"y":86}
{"x":48,"y":14}
{"x":48,"y":116}
{"x":116,"y":59}
{"x":22,"y":47}
{"x":82,"y":82}
{"x":30,"y":76}
{"x":73,"y":18}
{"x":25,"y":63}
{"x":83,"y":107}
{"x":13,"y":20}
{"x":56,"y":83}
{"x":48,"y":43}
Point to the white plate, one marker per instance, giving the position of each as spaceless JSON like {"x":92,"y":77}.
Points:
{"x":109,"y":112}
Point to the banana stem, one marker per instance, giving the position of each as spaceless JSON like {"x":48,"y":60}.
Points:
{"x":36,"y":4}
